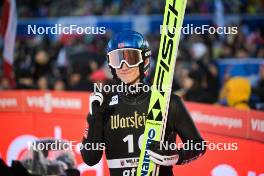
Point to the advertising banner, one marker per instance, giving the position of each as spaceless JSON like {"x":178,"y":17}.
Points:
{"x":233,"y":137}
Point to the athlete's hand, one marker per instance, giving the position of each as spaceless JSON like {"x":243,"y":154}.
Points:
{"x":95,"y":101}
{"x":98,"y":103}
{"x":162,"y":156}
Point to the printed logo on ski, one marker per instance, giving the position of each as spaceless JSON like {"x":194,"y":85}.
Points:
{"x":145,"y":165}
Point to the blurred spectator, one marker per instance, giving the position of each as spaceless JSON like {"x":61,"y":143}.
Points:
{"x":242,"y":53}
{"x":42,"y":83}
{"x":24,"y":80}
{"x":80,"y":82}
{"x":5,"y":83}
{"x":212,"y":82}
{"x":260,"y":52}
{"x":195,"y":89}
{"x":198,"y":50}
{"x":259,"y":89}
{"x":42,"y":64}
{"x":226,"y":51}
{"x":59,"y":85}
{"x":236,"y":93}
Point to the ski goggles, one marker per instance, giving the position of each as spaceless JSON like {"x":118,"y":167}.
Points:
{"x":132,"y":57}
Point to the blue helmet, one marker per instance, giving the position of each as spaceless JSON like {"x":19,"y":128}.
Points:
{"x":135,"y":40}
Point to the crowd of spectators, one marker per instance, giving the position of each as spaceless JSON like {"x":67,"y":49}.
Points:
{"x":75,"y":63}
{"x":197,"y":71}
{"x":47,"y":65}
{"x":50,"y":8}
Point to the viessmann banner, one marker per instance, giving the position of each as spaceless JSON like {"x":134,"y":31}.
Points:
{"x":29,"y":115}
{"x":209,"y":118}
{"x":46,"y":102}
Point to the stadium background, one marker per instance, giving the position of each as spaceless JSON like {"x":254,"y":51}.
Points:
{"x":213,"y":69}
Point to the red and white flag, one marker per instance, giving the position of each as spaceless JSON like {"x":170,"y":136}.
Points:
{"x":8,"y":32}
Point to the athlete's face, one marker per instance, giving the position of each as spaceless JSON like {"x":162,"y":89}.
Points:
{"x":128,"y":75}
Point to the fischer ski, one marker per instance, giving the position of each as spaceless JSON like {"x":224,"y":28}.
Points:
{"x":160,"y":98}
